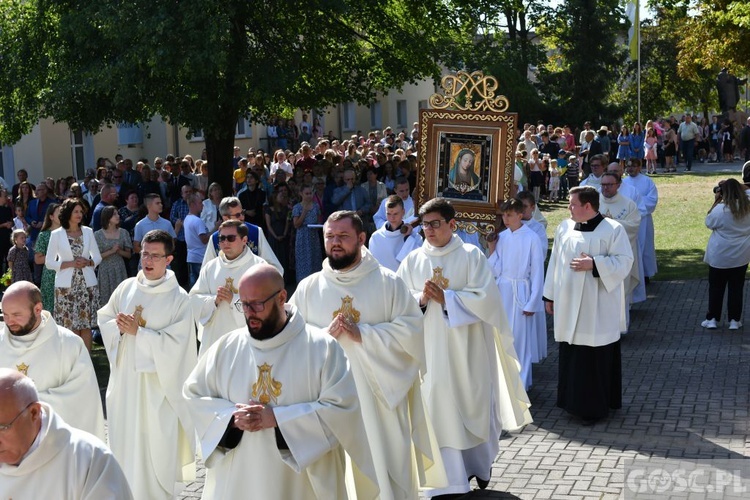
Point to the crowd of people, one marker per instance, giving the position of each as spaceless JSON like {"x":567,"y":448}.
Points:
{"x":406,"y":343}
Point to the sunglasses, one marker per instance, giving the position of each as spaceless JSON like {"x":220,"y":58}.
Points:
{"x":228,"y":237}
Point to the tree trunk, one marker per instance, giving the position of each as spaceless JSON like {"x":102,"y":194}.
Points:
{"x":219,"y":150}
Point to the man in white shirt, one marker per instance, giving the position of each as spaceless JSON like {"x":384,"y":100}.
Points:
{"x":688,"y":132}
{"x":43,"y":457}
{"x":196,"y":237}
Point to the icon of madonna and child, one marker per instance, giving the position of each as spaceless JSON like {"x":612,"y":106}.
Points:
{"x":463,"y":180}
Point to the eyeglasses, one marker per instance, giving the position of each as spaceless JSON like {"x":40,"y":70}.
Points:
{"x":6,"y":427}
{"x":434,"y":224}
{"x":234,"y":215}
{"x":608,"y":184}
{"x":258,"y":306}
{"x":151,"y":256}
{"x":227,"y":237}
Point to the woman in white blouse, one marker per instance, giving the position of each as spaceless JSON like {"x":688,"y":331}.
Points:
{"x":73,"y":254}
{"x":727,"y":253}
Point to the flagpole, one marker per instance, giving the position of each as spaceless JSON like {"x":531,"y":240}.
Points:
{"x":638,"y":40}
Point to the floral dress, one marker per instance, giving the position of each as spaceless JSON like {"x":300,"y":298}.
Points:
{"x":112,"y":270}
{"x":48,"y":275}
{"x":75,"y":307}
{"x":308,"y":253}
{"x":18,"y":258}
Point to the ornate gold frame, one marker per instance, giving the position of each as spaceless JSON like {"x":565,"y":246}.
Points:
{"x":479,"y":112}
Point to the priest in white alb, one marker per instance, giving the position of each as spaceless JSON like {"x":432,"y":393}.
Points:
{"x":650,"y":197}
{"x":43,"y":457}
{"x":54,"y":357}
{"x":396,"y":239}
{"x":149,"y":335}
{"x":472,"y":385}
{"x":518,"y":267}
{"x":584,"y":290}
{"x":615,"y":206}
{"x":371,"y":314}
{"x":230,"y":208}
{"x":274,"y":402}
{"x":213,"y":297}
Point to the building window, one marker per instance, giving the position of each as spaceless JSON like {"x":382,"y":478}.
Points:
{"x":423,"y":104}
{"x":244,"y":129}
{"x":196,"y":134}
{"x":78,"y":157}
{"x":376,"y":116}
{"x":401,"y":113}
{"x":129,"y":133}
{"x":347,"y":116}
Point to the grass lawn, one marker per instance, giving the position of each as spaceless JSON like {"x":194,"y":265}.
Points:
{"x":681,"y":235}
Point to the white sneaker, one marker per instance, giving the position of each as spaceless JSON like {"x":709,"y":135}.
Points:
{"x":735,"y":325}
{"x":709,"y":324}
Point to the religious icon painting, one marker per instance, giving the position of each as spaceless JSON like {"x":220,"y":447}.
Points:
{"x":467,"y":158}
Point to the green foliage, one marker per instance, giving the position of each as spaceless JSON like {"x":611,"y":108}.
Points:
{"x":719,"y":36}
{"x":663,"y":90}
{"x":202,"y":63}
{"x":585,"y":58}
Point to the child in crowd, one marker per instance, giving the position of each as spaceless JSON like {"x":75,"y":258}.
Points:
{"x":650,"y":149}
{"x":19,"y":221}
{"x":554,"y":181}
{"x":18,"y":257}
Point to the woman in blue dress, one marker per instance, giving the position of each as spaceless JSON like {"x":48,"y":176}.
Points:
{"x":637,"y":137}
{"x":308,"y":253}
{"x":623,"y":146}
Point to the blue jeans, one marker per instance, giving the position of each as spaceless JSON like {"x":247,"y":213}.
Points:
{"x":687,"y":152}
{"x":194,"y":270}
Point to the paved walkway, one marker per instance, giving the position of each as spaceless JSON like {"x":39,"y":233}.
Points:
{"x":685,"y":395}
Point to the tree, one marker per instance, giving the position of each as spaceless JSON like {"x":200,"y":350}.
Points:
{"x":585,"y":57}
{"x":663,"y":89}
{"x":719,"y":36}
{"x":204,"y":63}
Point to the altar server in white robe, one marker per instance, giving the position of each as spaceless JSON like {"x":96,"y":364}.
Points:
{"x":529,"y":209}
{"x":472,"y":385}
{"x":391,"y":243}
{"x":54,"y":357}
{"x":629,"y":191}
{"x":230,"y":208}
{"x":213,"y":297}
{"x":615,"y":206}
{"x":149,"y":335}
{"x":372,"y":315}
{"x":43,"y":457}
{"x":519,"y":274}
{"x":274,"y":401}
{"x":650,"y":196}
{"x":591,"y":257}
{"x":401,"y":189}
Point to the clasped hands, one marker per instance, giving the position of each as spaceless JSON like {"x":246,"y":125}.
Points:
{"x":432,"y":291}
{"x":223,"y":294}
{"x":80,"y":262}
{"x":127,"y":323}
{"x":341,"y":325}
{"x":254,"y":416}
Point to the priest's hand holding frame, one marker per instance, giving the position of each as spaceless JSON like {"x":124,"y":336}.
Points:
{"x":254,"y":417}
{"x":549,"y":307}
